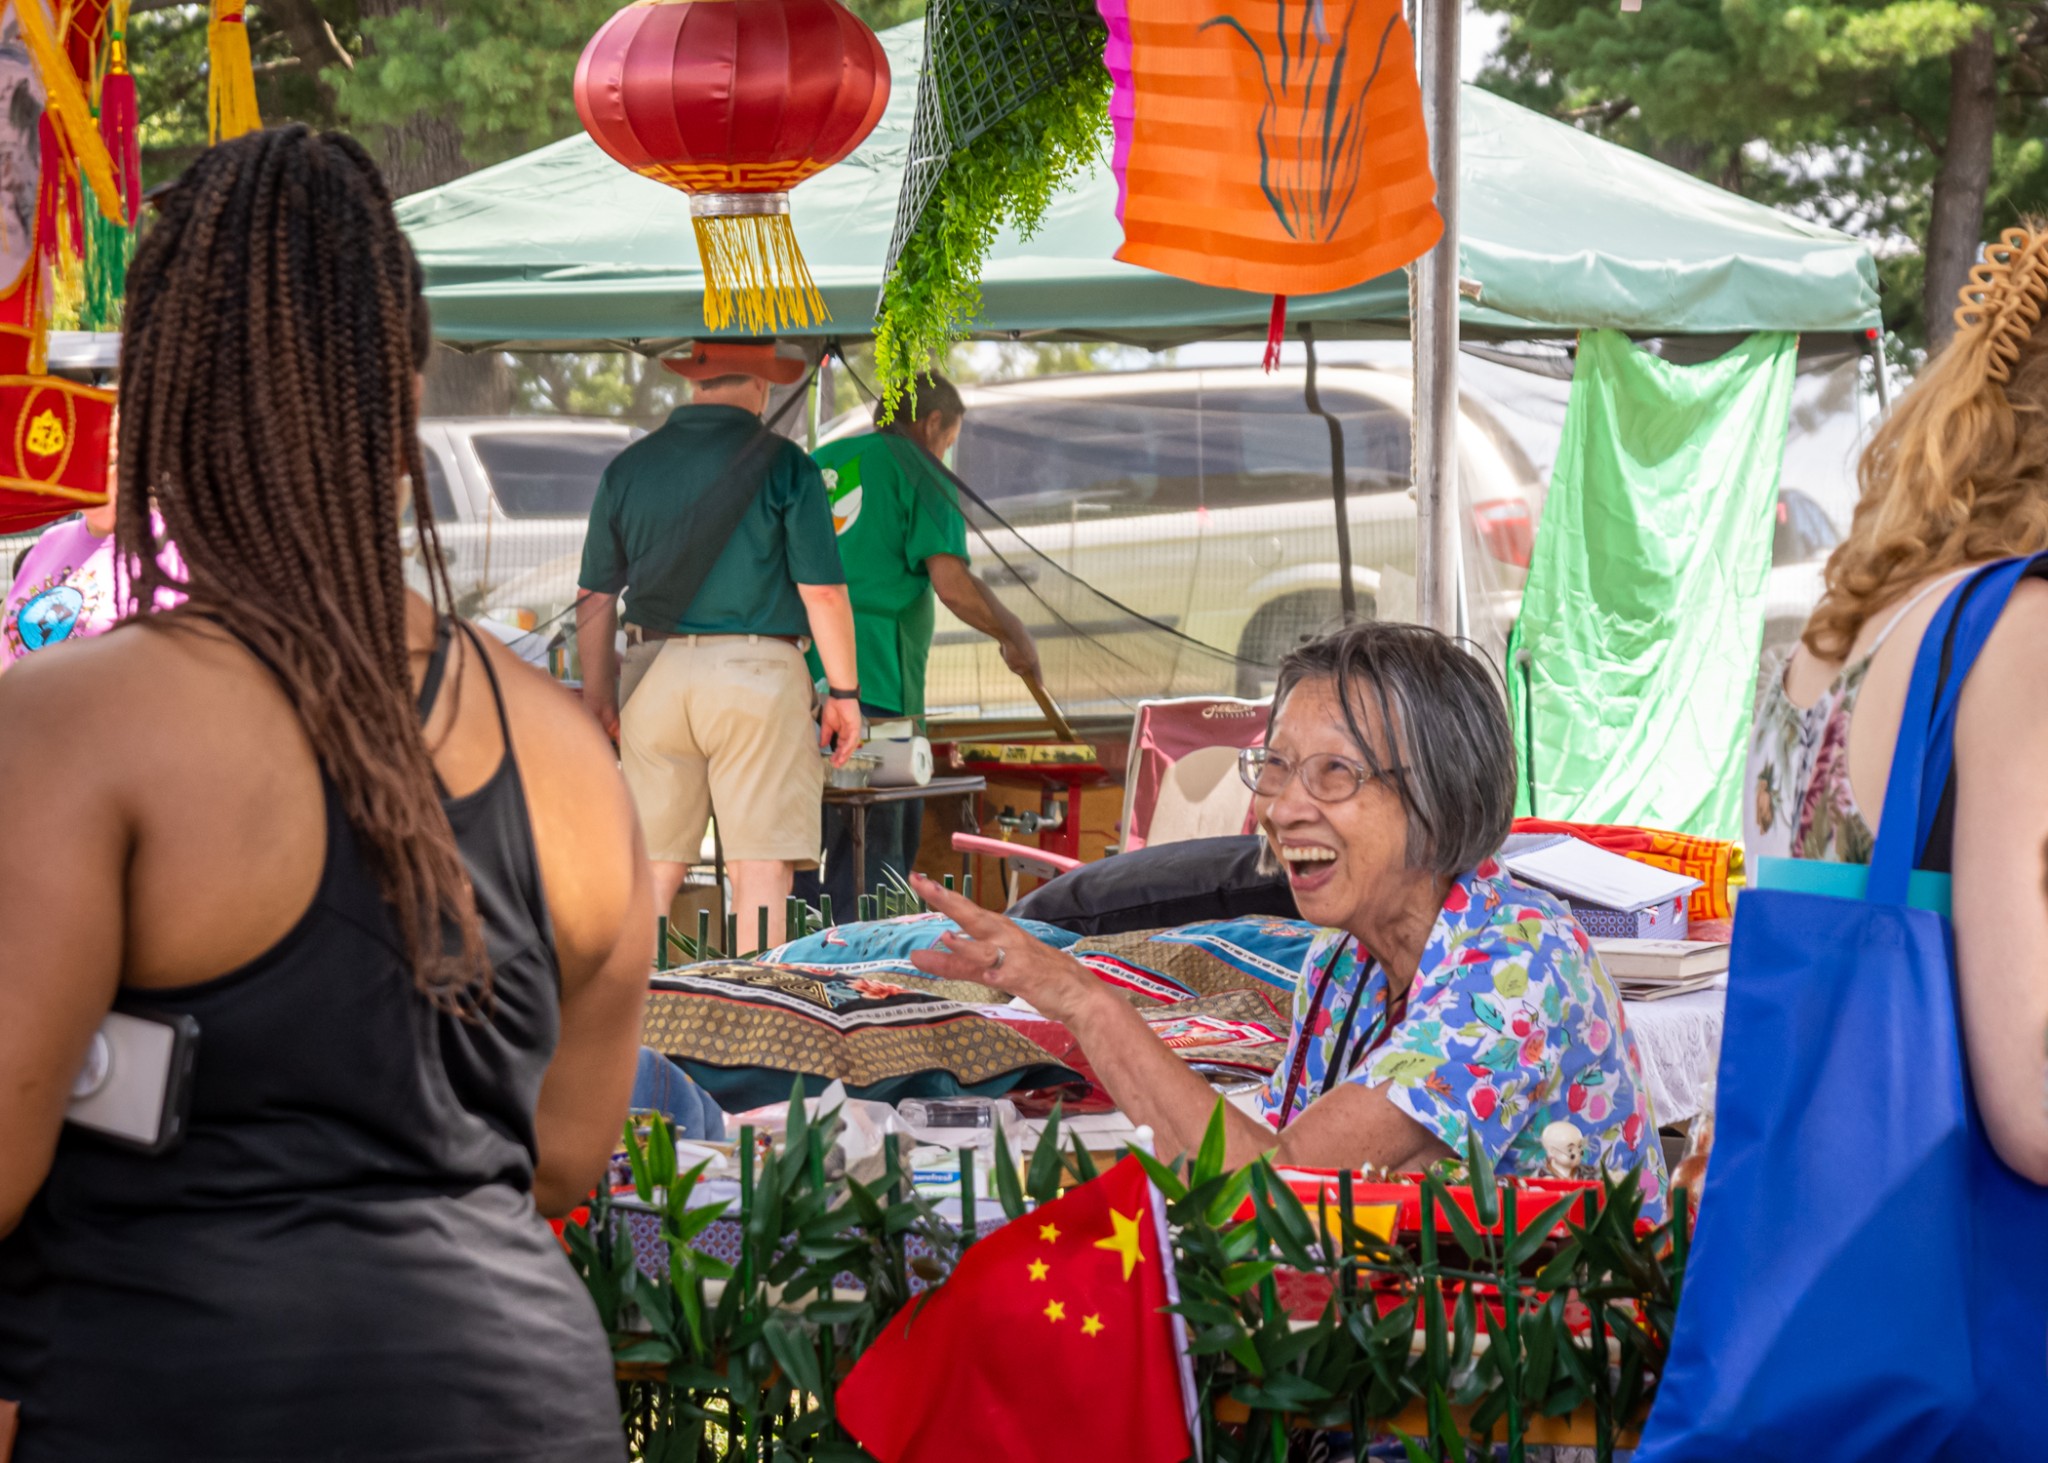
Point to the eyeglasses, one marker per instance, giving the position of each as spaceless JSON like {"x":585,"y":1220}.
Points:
{"x":1324,"y":777}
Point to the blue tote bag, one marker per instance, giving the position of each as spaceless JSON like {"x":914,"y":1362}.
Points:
{"x":1868,"y":1280}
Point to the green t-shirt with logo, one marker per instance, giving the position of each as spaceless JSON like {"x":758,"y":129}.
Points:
{"x":893,"y":510}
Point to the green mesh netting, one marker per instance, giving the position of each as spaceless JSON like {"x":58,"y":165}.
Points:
{"x":984,"y":59}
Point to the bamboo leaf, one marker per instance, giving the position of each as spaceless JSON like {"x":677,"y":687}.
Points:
{"x":655,"y":1351}
{"x":1485,"y":1188}
{"x":1462,"y":1229}
{"x":1522,"y":1246}
{"x":1240,"y":1278}
{"x":1209,"y":1159}
{"x":1042,"y":1181}
{"x":1413,"y":1448}
{"x":795,"y":1353}
{"x":1009,"y":1191}
{"x":1224,"y":1204}
{"x":1084,"y":1163}
{"x":1462,"y":1330}
{"x":1168,"y":1181}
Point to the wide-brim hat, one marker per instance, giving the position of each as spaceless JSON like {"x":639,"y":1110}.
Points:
{"x":706,"y":359}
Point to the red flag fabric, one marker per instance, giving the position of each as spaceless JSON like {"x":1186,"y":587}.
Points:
{"x":1046,"y":1345}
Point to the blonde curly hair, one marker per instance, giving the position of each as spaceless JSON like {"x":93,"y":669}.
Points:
{"x":1958,"y":473}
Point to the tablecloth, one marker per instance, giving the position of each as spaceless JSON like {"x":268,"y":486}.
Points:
{"x":1679,"y":1040}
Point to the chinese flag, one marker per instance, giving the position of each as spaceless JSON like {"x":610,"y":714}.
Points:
{"x":1047,"y":1343}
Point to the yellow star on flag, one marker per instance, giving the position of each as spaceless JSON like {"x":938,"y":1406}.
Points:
{"x":1038,"y":1269}
{"x":1050,"y":1233}
{"x":1125,"y":1239}
{"x":1055,"y":1311}
{"x":1091,"y":1325}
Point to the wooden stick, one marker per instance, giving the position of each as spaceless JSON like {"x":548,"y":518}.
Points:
{"x":1060,"y":726}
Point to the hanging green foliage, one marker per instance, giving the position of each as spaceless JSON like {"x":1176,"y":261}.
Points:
{"x":1008,"y":175}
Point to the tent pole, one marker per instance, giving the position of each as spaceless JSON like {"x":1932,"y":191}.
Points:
{"x":1347,"y":592}
{"x":1875,"y":348}
{"x":1434,"y":328}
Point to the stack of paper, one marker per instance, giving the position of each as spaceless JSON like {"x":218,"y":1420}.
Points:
{"x":1579,"y":870}
{"x":1650,"y":970}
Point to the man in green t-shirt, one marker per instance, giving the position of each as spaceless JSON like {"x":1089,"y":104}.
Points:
{"x":904,"y":545}
{"x":716,"y":693}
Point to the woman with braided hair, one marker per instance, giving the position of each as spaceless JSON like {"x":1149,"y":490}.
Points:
{"x":1956,"y":477}
{"x":393,"y":874}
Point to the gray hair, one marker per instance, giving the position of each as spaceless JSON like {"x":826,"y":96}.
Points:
{"x":1445,"y":717}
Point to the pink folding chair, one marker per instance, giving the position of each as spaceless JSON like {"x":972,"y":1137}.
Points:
{"x":1183,"y":782}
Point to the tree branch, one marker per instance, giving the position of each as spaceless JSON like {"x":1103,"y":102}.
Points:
{"x":312,"y":39}
{"x":1609,"y":111}
{"x":1927,"y":139}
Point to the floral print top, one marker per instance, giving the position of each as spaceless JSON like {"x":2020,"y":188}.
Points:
{"x":1511,"y":1025}
{"x":1800,"y":803}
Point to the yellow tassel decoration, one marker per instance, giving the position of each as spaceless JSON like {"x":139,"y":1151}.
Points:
{"x":69,"y":108}
{"x":231,"y":75}
{"x":754,"y":274}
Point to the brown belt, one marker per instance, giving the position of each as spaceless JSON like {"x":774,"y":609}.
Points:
{"x":641,"y":635}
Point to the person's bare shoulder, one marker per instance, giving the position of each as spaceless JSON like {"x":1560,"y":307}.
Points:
{"x":104,"y":698}
{"x":2010,"y":680}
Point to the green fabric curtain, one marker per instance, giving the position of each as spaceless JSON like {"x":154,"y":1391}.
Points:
{"x":1644,"y":607}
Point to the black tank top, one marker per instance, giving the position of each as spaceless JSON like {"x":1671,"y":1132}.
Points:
{"x":342,"y":1260}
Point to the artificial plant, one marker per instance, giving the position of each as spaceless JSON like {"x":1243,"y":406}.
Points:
{"x":726,"y":1362}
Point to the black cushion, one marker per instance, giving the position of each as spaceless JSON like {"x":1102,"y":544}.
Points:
{"x":1163,"y":885}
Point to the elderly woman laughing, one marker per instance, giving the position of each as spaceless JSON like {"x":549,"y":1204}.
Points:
{"x":1445,"y":999}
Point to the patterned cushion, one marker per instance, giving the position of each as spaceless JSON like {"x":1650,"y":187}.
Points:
{"x":744,"y":1029}
{"x":848,"y":1004}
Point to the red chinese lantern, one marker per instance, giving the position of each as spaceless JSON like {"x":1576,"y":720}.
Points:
{"x":735,"y":102}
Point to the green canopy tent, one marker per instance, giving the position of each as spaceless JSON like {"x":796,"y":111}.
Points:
{"x":563,"y":249}
{"x":1557,"y":233}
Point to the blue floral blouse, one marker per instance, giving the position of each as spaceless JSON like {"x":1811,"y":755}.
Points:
{"x":1511,"y":1024}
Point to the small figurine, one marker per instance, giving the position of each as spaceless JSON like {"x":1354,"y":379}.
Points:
{"x":1564,"y":1150}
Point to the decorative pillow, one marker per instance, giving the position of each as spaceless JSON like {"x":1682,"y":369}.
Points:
{"x":743,"y":1030}
{"x":877,"y":946}
{"x":1258,"y":954}
{"x":1160,"y":886}
{"x":1220,"y":993}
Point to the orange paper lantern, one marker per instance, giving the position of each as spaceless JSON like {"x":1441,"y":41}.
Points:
{"x":1269,"y":147}
{"x":735,"y":102}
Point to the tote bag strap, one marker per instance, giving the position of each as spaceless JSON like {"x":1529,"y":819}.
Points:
{"x":1924,"y":756}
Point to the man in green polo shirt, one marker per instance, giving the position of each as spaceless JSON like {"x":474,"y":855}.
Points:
{"x":904,"y":545}
{"x":717,"y":696}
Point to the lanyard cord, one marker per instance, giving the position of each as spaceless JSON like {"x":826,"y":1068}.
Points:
{"x":1390,"y":1012}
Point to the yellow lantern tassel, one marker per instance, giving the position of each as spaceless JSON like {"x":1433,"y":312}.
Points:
{"x":231,"y":75}
{"x":68,"y":106}
{"x":754,"y":273}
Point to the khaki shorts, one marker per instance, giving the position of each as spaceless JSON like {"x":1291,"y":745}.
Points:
{"x":634,"y":665}
{"x":724,"y":722}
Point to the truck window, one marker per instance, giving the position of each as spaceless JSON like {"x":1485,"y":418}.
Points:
{"x":1044,"y":459}
{"x":546,"y":474}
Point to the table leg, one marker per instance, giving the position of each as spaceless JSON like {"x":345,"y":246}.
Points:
{"x":968,"y":824}
{"x":718,"y":882}
{"x":859,"y":811}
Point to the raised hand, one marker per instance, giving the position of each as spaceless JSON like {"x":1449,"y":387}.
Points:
{"x":994,"y":951}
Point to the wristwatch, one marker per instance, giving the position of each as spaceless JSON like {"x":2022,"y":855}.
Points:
{"x":838,"y":695}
